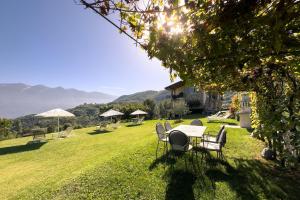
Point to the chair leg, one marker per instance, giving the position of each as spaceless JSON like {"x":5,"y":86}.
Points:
{"x":185,"y":162}
{"x":165,"y":151}
{"x":221,"y":155}
{"x":157,"y":148}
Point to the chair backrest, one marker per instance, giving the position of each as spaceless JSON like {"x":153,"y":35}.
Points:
{"x":197,"y":122}
{"x":218,"y":114}
{"x":222,"y":139}
{"x":135,"y":120}
{"x":161,"y":133}
{"x":219,"y":133}
{"x":168,"y":126}
{"x":179,"y":141}
{"x":227,"y":115}
{"x":39,"y":136}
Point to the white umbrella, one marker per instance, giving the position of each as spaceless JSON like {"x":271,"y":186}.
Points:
{"x":138,"y":113}
{"x":56,"y":113}
{"x":111,"y":113}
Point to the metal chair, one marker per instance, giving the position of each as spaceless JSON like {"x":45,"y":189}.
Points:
{"x":179,"y":141}
{"x":215,"y":146}
{"x":162,"y":137}
{"x":208,"y":138}
{"x":168,"y":126}
{"x":197,"y":122}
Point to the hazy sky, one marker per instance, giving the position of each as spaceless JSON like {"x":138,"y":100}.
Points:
{"x":59,"y":43}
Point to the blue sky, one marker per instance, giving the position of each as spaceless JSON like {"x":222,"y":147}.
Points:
{"x":59,"y":43}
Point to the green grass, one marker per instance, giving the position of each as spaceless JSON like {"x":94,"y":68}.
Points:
{"x":121,"y":165}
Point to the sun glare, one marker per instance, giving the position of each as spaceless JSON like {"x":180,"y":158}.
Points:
{"x":169,"y":24}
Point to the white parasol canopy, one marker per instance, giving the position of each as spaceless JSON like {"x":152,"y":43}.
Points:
{"x":139,"y":112}
{"x":56,"y":113}
{"x":111,"y":113}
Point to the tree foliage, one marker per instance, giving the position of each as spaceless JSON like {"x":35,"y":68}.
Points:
{"x":240,"y":45}
{"x":180,"y":108}
{"x":150,"y":107}
{"x":5,"y":128}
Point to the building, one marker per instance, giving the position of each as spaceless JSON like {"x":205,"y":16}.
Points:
{"x":198,"y":101}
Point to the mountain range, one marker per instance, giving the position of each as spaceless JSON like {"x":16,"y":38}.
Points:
{"x":142,"y":96}
{"x":17,"y":99}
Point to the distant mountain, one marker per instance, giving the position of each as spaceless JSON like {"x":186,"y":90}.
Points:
{"x":141,"y":96}
{"x":20,"y":99}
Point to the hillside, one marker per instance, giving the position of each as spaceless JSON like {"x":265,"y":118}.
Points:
{"x":141,"y":96}
{"x":20,"y":99}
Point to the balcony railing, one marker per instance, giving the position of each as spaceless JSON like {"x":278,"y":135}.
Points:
{"x":180,"y":95}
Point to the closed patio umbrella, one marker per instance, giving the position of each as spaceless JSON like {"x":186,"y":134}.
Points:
{"x":138,"y":113}
{"x":56,"y":113}
{"x":110,"y":113}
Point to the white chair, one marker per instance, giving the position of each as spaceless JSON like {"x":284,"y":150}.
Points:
{"x":219,"y":116}
{"x":65,"y":133}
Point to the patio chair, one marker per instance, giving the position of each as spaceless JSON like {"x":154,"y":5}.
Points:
{"x":168,"y":126}
{"x":208,"y":138}
{"x":140,"y":120}
{"x":103,"y":125}
{"x":180,"y":144}
{"x":115,"y":125}
{"x":179,"y":141}
{"x":39,"y":134}
{"x":219,"y":116}
{"x":38,"y":137}
{"x":134,"y":121}
{"x":65,"y":133}
{"x":162,"y":137}
{"x":215,"y":146}
{"x":197,"y":122}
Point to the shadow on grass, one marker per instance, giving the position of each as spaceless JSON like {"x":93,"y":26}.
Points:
{"x":180,"y":185}
{"x":96,"y":132}
{"x":166,"y":159}
{"x":223,"y":122}
{"x":250,"y":179}
{"x":193,"y":116}
{"x":21,"y":148}
{"x":133,"y":125}
{"x":180,"y":181}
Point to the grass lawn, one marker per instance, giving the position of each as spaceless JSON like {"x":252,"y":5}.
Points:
{"x":122,"y":165}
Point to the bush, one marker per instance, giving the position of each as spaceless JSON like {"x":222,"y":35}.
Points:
{"x":67,"y":125}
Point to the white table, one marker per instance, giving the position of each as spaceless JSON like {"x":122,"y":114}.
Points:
{"x":190,"y":130}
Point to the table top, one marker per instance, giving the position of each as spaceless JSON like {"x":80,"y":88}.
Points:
{"x":190,"y":130}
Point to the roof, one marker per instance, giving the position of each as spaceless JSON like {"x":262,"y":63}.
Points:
{"x":175,"y":85}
